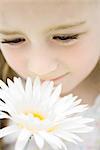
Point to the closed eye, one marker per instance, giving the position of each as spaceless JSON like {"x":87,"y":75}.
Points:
{"x":65,"y":38}
{"x":60,"y":38}
{"x":14,"y":41}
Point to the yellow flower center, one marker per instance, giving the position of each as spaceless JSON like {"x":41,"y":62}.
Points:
{"x":38,"y":116}
{"x":52,"y":129}
{"x":34,"y":129}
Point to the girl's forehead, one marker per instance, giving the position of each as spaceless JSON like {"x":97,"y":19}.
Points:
{"x":70,"y":6}
{"x":18,"y":13}
{"x":44,"y":8}
{"x":57,"y":1}
{"x":49,"y":1}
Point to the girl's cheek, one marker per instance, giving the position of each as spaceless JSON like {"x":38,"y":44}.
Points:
{"x":15,"y":59}
{"x":83,"y":54}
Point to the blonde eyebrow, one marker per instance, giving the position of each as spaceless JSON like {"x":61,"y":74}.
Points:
{"x":53,"y":28}
{"x":10,"y":32}
{"x":65,"y":26}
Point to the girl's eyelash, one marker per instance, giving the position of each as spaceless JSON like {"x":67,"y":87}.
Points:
{"x":63,"y":38}
{"x":66,"y":37}
{"x":17,"y":40}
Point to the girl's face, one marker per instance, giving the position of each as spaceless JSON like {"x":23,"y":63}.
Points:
{"x":50,"y":39}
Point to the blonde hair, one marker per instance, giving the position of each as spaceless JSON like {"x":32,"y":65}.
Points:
{"x":5,"y":70}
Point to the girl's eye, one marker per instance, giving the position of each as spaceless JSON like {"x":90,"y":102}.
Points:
{"x":62,"y":38}
{"x":12,"y":42}
{"x":65,"y":38}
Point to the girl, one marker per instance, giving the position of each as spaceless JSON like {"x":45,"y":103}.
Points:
{"x":57,"y":40}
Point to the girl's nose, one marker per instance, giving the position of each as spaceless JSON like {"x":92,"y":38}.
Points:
{"x":41,"y":64}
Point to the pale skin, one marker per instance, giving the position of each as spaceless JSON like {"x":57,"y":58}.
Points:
{"x":40,"y":54}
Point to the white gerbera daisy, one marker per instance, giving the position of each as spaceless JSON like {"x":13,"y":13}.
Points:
{"x":38,"y":110}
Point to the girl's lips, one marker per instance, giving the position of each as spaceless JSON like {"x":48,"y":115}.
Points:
{"x":60,"y":77}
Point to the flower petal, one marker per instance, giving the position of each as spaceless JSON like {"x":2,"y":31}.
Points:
{"x":54,"y":141}
{"x":36,"y":89}
{"x":39,"y":140}
{"x":8,"y":130}
{"x":28,"y":90}
{"x":18,"y":83}
{"x":68,"y":136}
{"x":3,"y":85}
{"x":10,"y":83}
{"x":22,"y":139}
{"x":47,"y":88}
{"x":55,"y":95}
{"x":4,"y":115}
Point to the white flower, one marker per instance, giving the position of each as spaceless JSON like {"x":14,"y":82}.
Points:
{"x":38,"y":110}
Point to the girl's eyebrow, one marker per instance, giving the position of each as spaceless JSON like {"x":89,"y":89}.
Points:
{"x":65,"y":26}
{"x":53,"y":28}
